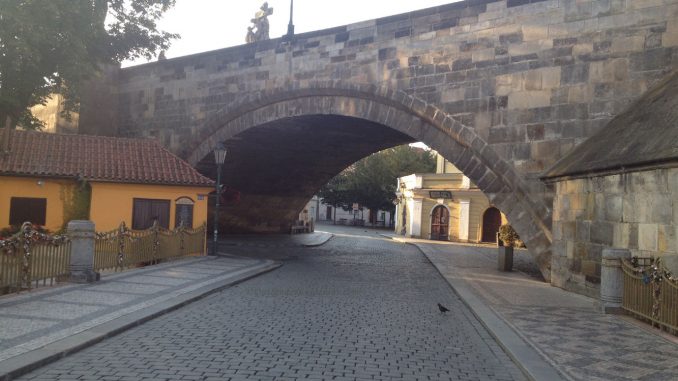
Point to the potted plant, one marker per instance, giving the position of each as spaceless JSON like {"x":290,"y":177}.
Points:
{"x":507,"y":239}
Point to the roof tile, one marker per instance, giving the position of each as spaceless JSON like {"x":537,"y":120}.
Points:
{"x":96,"y":158}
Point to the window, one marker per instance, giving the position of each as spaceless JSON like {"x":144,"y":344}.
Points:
{"x":145,"y":211}
{"x":22,"y":209}
{"x":184,"y":212}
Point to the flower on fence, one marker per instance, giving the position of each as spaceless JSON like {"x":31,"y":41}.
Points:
{"x":655,"y":275}
{"x":653,"y":272}
{"x":27,"y":236}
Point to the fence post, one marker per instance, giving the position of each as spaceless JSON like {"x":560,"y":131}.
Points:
{"x":81,"y":234}
{"x":156,"y":243}
{"x":612,"y":279}
{"x":182,"y":238}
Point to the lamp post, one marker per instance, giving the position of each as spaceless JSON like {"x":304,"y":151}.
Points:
{"x":219,"y":158}
{"x":401,"y":200}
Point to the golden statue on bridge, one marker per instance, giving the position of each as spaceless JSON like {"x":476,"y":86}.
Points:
{"x":261,"y":25}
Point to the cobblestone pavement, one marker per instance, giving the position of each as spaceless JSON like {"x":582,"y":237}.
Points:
{"x":357,"y":308}
{"x":564,"y":327}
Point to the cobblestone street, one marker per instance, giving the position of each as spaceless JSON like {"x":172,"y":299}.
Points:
{"x":357,"y":308}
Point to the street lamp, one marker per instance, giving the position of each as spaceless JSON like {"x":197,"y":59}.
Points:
{"x":402,"y":200}
{"x":219,"y":158}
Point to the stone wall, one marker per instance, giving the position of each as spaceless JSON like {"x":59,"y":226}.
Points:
{"x":636,"y":211}
{"x":50,"y":114}
{"x":534,"y":78}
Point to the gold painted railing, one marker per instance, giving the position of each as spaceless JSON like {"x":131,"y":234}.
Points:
{"x":124,"y":248}
{"x":651,"y":292}
{"x":32,"y":259}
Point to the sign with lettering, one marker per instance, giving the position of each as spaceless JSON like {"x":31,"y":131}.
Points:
{"x":440,"y":194}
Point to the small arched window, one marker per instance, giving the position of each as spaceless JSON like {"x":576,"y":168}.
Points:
{"x":184,"y":212}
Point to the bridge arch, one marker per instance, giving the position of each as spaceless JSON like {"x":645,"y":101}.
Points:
{"x":405,"y":114}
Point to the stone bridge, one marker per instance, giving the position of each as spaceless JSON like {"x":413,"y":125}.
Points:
{"x":502,"y":89}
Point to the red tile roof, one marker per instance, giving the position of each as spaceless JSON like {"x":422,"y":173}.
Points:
{"x":95,"y":158}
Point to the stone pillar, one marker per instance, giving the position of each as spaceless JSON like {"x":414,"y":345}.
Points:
{"x":81,"y":234}
{"x":464,"y":219}
{"x":612,"y":279}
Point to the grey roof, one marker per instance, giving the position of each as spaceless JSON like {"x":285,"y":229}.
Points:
{"x":646,"y":134}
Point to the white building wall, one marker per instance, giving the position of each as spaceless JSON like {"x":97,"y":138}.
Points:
{"x":319,"y":212}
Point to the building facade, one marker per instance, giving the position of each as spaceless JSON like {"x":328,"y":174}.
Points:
{"x":445,"y":206}
{"x":619,"y":189}
{"x":320,"y":211}
{"x":50,"y":179}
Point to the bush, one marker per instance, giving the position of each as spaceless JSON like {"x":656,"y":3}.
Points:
{"x":507,"y":235}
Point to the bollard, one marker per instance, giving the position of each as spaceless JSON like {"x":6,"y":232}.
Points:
{"x":81,"y":234}
{"x":612,"y":280}
{"x":505,"y":258}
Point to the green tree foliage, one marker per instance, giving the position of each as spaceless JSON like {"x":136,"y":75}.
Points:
{"x":54,"y":46}
{"x":371,"y":182}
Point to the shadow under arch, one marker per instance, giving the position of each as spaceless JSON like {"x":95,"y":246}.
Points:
{"x":406,"y":114}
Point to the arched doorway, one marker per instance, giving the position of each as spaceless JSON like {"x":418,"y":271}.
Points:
{"x":491,"y":224}
{"x":440,"y":223}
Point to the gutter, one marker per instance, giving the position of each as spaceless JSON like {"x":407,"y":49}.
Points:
{"x":602,"y":172}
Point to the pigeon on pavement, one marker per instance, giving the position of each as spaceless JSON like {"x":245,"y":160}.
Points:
{"x":442,"y":308}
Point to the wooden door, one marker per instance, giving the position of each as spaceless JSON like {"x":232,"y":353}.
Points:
{"x":440,"y":223}
{"x":491,"y":224}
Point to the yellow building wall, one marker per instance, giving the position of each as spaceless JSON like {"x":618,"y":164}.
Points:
{"x":112,"y":203}
{"x":479,"y":205}
{"x":55,"y":191}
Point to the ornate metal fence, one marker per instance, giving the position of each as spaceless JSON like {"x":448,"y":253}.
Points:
{"x":123,"y":248}
{"x":32,"y":259}
{"x":651,"y":292}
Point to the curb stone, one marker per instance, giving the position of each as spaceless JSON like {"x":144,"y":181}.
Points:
{"x":324,"y":241}
{"x":327,"y":238}
{"x":27,"y":362}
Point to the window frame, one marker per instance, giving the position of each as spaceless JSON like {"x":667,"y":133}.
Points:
{"x":18,"y":220}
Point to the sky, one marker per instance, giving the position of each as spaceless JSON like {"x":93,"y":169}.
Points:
{"x":206,"y":25}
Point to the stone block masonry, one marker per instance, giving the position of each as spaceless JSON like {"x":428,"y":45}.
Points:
{"x":496,"y":65}
{"x":502,"y":89}
{"x":634,"y":211}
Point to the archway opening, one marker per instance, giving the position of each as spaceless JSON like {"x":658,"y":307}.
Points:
{"x":276,"y":167}
{"x":286,"y":143}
